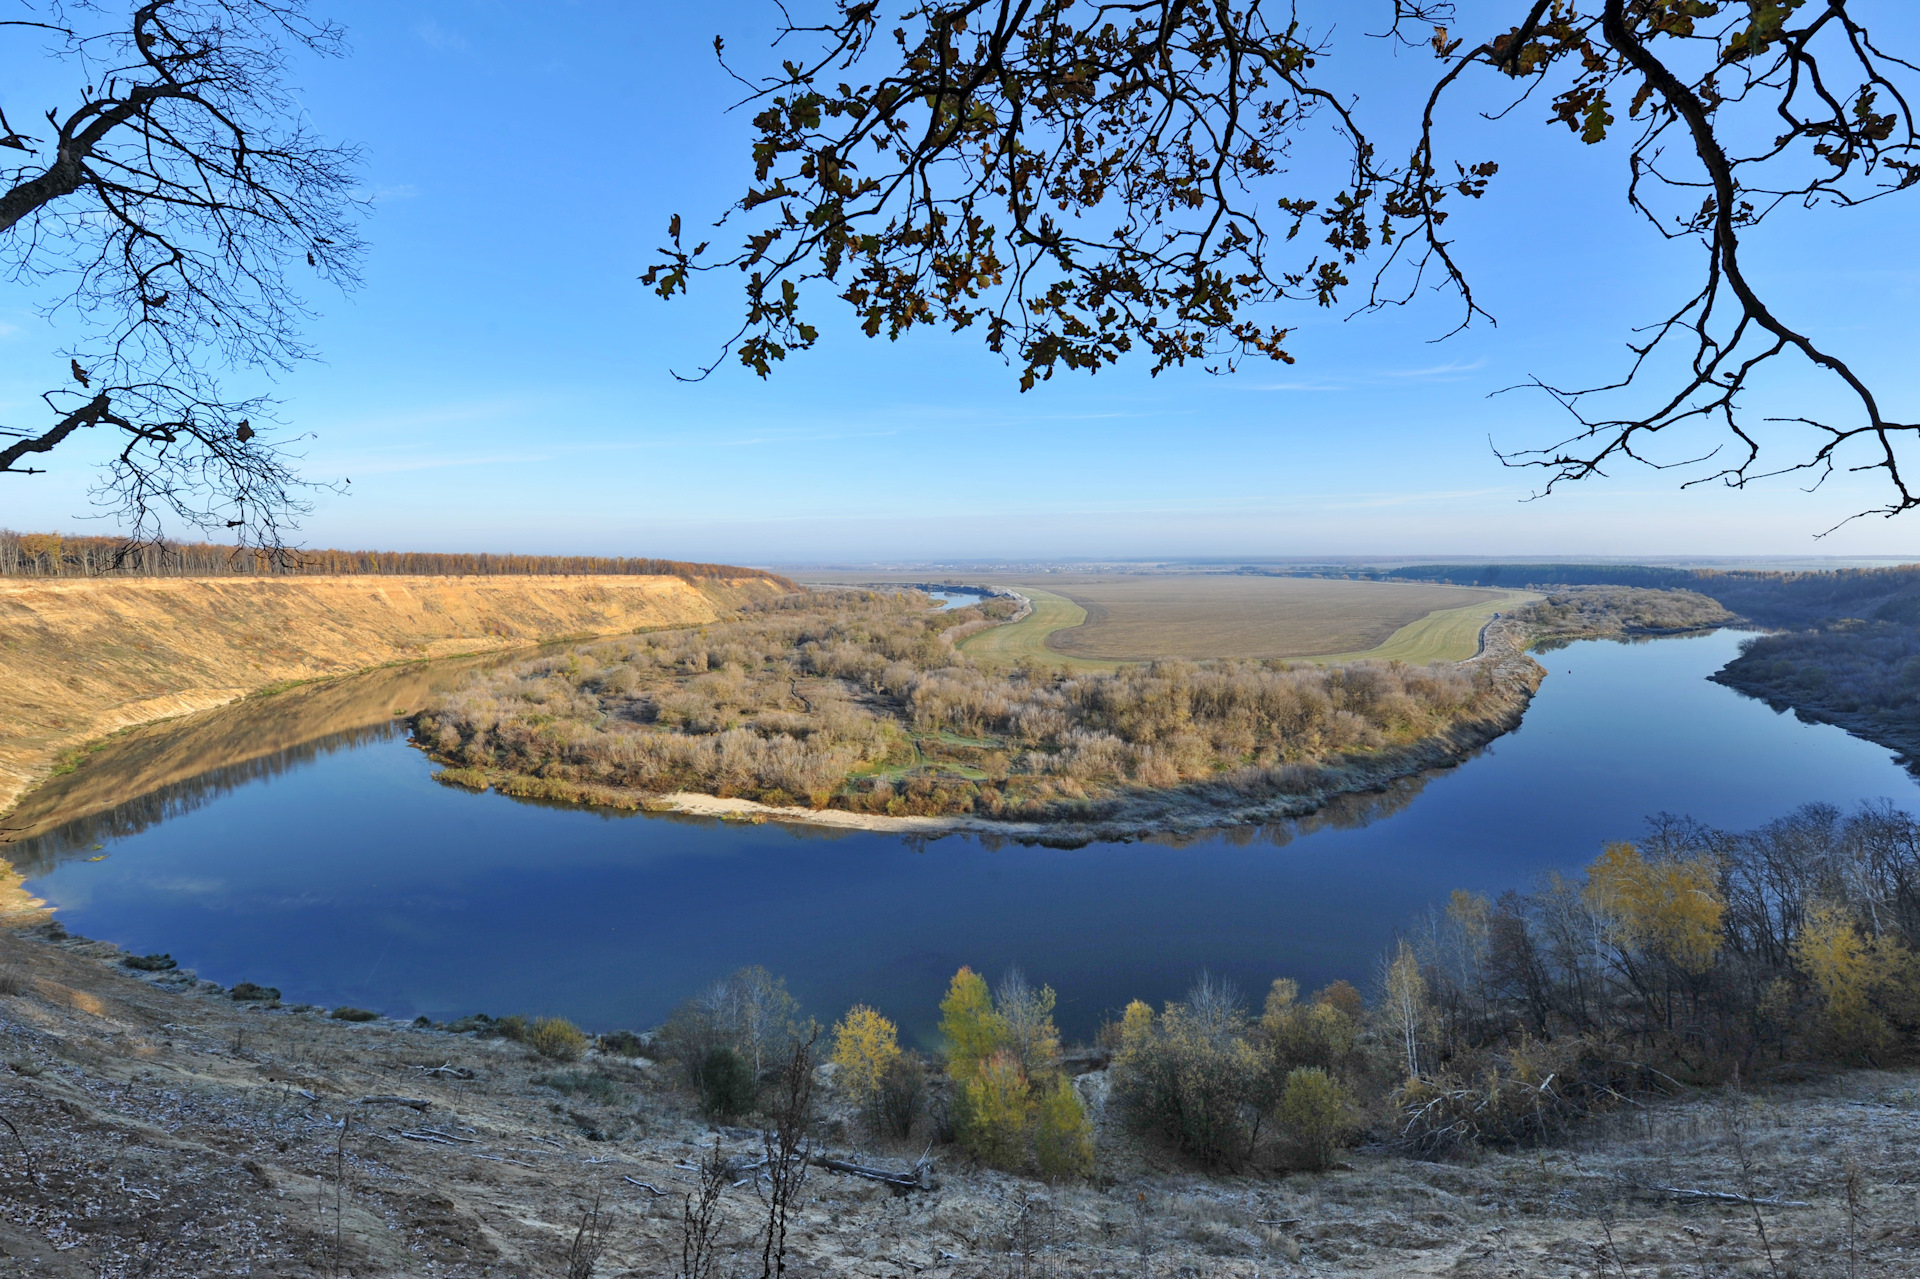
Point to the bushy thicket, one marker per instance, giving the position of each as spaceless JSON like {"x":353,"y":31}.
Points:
{"x":861,"y":700}
{"x":1610,"y":610}
{"x":1689,"y":956}
{"x":1232,"y":1090}
{"x":1849,"y":668}
{"x":1692,"y":956}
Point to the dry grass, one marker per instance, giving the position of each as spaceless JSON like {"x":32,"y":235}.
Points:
{"x":1131,"y":618}
{"x":86,"y":657}
{"x":164,"y":1130}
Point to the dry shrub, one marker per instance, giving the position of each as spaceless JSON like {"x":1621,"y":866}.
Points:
{"x":1530,"y":1093}
{"x":624,"y":1043}
{"x":1316,"y":1113}
{"x":727,"y":1085}
{"x":1191,"y":1075}
{"x":1062,"y":1133}
{"x":723,"y":711}
{"x":901,"y":1097}
{"x":556,"y":1038}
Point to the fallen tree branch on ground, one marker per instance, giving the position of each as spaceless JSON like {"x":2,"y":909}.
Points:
{"x":918,"y":1179}
{"x":1720,"y":1196}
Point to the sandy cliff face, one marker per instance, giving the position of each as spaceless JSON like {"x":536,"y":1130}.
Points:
{"x":80,"y":658}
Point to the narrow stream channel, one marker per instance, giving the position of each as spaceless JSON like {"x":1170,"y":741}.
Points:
{"x":333,"y":867}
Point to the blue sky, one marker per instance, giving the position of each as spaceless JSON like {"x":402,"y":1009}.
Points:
{"x":502,"y":380}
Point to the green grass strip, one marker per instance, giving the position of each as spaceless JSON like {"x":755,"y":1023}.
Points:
{"x":1027,"y":638}
{"x":1447,"y":635}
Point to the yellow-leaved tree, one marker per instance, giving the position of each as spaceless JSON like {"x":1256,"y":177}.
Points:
{"x":1136,"y":1030}
{"x":865,"y":1046}
{"x":1062,"y":1133}
{"x":1659,"y":923}
{"x":997,"y":1111}
{"x":1013,"y":1107}
{"x":1669,"y":908}
{"x":969,"y":1024}
{"x":1859,"y":980}
{"x":1294,"y":1034}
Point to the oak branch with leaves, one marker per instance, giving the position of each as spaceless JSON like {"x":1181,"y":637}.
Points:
{"x":1083,"y":180}
{"x":166,"y":212}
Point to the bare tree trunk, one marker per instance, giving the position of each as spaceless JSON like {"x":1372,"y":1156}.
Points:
{"x":788,"y":1147}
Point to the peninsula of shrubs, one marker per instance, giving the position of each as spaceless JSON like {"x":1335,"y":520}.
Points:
{"x":861,"y":701}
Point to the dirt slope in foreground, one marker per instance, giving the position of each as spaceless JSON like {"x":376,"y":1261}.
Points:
{"x":165,"y":1130}
{"x":81,"y":658}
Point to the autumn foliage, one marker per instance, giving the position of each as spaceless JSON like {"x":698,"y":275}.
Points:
{"x":859,"y":700}
{"x":1013,"y":1107}
{"x":866,"y":1046}
{"x":1687,"y":957}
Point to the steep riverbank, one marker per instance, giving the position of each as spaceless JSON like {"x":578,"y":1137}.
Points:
{"x":155,"y":1125}
{"x":85,"y":657}
{"x":1863,"y":676}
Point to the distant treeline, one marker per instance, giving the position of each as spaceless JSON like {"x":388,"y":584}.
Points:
{"x":57,"y":555}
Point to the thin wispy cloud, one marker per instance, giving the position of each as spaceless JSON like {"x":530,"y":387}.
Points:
{"x":439,"y":37}
{"x":1437,"y":372}
{"x":453,"y":414}
{"x":760,"y":440}
{"x":1453,"y":372}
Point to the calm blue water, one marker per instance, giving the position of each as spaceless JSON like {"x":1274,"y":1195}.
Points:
{"x":950,"y":600}
{"x":351,"y":877}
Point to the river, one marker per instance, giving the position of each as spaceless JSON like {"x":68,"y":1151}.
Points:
{"x":338,"y":871}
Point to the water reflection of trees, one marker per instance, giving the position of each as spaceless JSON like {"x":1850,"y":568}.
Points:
{"x":1341,"y":812}
{"x":1349,"y":811}
{"x":42,"y":853}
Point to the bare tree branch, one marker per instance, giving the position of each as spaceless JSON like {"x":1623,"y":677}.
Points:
{"x":167,"y":211}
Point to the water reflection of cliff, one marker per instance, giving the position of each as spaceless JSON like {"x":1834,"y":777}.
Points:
{"x":149,"y":774}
